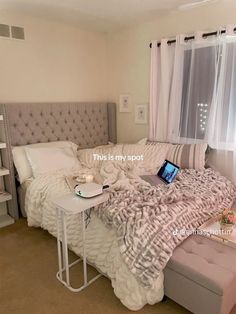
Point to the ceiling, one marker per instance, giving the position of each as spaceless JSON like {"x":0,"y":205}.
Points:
{"x":99,"y":15}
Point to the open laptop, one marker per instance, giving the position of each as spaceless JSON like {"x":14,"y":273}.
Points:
{"x":165,"y":175}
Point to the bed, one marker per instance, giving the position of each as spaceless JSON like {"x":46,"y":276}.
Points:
{"x":129,"y":238}
{"x":85,"y":124}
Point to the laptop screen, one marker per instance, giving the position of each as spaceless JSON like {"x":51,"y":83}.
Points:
{"x":168,"y":171}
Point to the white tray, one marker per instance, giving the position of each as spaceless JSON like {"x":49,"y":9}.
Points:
{"x":212,"y":229}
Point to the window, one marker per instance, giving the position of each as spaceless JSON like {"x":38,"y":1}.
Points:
{"x":209,"y":88}
{"x":193,"y":91}
{"x":197,"y":93}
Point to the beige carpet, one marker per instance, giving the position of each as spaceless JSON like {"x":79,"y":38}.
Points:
{"x":28,"y":263}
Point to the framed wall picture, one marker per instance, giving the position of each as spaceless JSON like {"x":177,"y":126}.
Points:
{"x":125,"y":103}
{"x":141,"y":114}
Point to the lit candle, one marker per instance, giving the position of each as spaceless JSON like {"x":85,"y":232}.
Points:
{"x":89,"y":178}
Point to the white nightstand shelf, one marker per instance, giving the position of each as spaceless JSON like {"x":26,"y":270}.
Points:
{"x":4,"y":171}
{"x":5,"y":196}
{"x":5,"y":178}
{"x":71,"y":204}
{"x":5,"y":220}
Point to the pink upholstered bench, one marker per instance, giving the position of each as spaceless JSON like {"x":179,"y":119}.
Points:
{"x":201,"y":276}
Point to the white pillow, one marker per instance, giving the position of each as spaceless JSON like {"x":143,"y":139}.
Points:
{"x":88,"y":160}
{"x":143,"y":141}
{"x":153,"y":156}
{"x":45,"y":160}
{"x":21,"y":161}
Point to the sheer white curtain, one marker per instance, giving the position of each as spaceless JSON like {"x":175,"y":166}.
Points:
{"x":221,"y":130}
{"x":160,"y":84}
{"x":193,"y":93}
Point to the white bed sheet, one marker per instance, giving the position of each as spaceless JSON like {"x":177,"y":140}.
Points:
{"x":21,"y":191}
{"x":26,"y":184}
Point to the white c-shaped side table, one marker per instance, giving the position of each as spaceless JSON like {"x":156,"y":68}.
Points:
{"x":71,"y":204}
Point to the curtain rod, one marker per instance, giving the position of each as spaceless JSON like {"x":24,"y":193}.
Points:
{"x":172,"y":41}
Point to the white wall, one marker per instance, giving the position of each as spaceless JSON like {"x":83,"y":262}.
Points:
{"x":129,"y":55}
{"x":56,"y":62}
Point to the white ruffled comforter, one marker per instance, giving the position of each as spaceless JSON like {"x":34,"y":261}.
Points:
{"x":101,"y":243}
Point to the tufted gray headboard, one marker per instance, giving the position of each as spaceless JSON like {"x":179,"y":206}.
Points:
{"x":86,"y":124}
